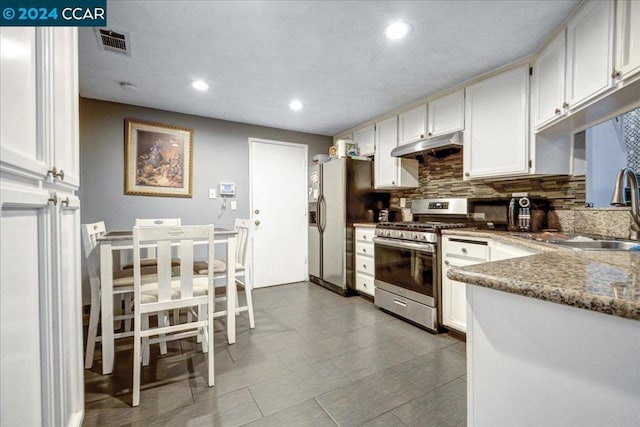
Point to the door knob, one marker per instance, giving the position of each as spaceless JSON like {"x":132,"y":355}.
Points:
{"x":257,"y":222}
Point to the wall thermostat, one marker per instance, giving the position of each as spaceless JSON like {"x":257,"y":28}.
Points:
{"x":227,"y":189}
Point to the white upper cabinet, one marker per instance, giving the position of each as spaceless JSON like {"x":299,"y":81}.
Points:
{"x":23,"y":150}
{"x":386,"y":167}
{"x":365,"y":138}
{"x":590,"y":52}
{"x":412,"y":125}
{"x":65,"y":106}
{"x":446,"y":114}
{"x":548,"y":82}
{"x":39,"y":120}
{"x":628,"y":38}
{"x":392,"y":172}
{"x":496,"y":117}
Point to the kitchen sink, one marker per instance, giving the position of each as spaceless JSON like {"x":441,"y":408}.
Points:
{"x":601,"y":245}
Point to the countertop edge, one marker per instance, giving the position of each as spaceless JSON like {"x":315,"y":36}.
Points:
{"x":550,"y":293}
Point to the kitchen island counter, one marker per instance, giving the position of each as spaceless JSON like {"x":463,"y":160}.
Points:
{"x":553,"y":338}
{"x":602,"y":281}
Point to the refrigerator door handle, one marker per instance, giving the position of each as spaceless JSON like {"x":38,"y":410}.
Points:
{"x":318,"y":214}
{"x":323,"y":216}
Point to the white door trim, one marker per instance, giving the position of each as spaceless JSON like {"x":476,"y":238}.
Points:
{"x":251,"y":209}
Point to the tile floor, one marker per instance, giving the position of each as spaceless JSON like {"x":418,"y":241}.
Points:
{"x":314,"y":359}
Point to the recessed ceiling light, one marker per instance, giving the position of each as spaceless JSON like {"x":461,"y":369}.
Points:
{"x":295,"y":105}
{"x":199,"y":84}
{"x":397,"y":30}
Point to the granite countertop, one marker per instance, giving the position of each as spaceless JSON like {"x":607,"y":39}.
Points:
{"x":603,"y":281}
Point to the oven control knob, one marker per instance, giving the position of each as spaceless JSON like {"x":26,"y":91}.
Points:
{"x":414,"y":236}
{"x":423,"y":237}
{"x":387,"y":232}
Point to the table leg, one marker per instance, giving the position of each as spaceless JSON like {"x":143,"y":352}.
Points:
{"x":106,"y":306}
{"x":231,"y":289}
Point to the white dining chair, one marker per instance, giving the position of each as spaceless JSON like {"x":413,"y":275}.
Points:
{"x":150,"y":258}
{"x":122,"y":288}
{"x":243,"y":277}
{"x":169,"y":292}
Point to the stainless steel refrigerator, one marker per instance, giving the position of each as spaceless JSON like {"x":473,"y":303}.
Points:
{"x":340,"y":194}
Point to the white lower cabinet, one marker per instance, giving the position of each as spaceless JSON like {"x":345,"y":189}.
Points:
{"x":458,"y":251}
{"x":499,"y":251}
{"x":40,"y":297}
{"x":462,"y":251}
{"x":364,"y":266}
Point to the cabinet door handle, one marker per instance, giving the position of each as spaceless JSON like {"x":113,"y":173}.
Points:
{"x":65,"y":202}
{"x":557,"y":111}
{"x":466,"y":174}
{"x":54,"y":173}
{"x":615,"y":74}
{"x":430,"y":133}
{"x":364,"y":265}
{"x":54,"y":199}
{"x":421,"y":136}
{"x":565,"y":105}
{"x":364,"y":250}
{"x":446,"y":263}
{"x":400,"y":303}
{"x":464,"y":250}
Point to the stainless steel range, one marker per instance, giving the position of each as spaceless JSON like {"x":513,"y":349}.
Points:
{"x":407,"y":260}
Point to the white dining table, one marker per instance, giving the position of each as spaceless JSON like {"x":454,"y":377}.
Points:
{"x":116,"y":241}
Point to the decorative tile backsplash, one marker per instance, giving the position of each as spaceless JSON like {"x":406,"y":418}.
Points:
{"x":443,"y":178}
{"x":631,"y":135}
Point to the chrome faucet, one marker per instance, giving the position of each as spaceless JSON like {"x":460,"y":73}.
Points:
{"x":618,"y":198}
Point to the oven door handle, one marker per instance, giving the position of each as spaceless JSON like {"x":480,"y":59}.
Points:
{"x":421,"y":247}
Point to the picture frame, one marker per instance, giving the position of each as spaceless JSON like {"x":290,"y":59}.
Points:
{"x":158,"y":159}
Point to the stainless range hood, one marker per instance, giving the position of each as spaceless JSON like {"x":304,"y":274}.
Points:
{"x":439,"y":146}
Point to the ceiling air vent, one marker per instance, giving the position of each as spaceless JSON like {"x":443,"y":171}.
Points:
{"x":113,"y":41}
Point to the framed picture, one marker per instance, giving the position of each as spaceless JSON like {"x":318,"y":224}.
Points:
{"x":158,"y":160}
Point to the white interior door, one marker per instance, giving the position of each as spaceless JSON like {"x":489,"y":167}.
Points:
{"x":278,"y":180}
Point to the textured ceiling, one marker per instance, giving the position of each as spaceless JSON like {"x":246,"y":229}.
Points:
{"x":332,"y":56}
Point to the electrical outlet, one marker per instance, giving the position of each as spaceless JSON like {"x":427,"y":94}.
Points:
{"x":234,"y":205}
{"x":212,"y":193}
